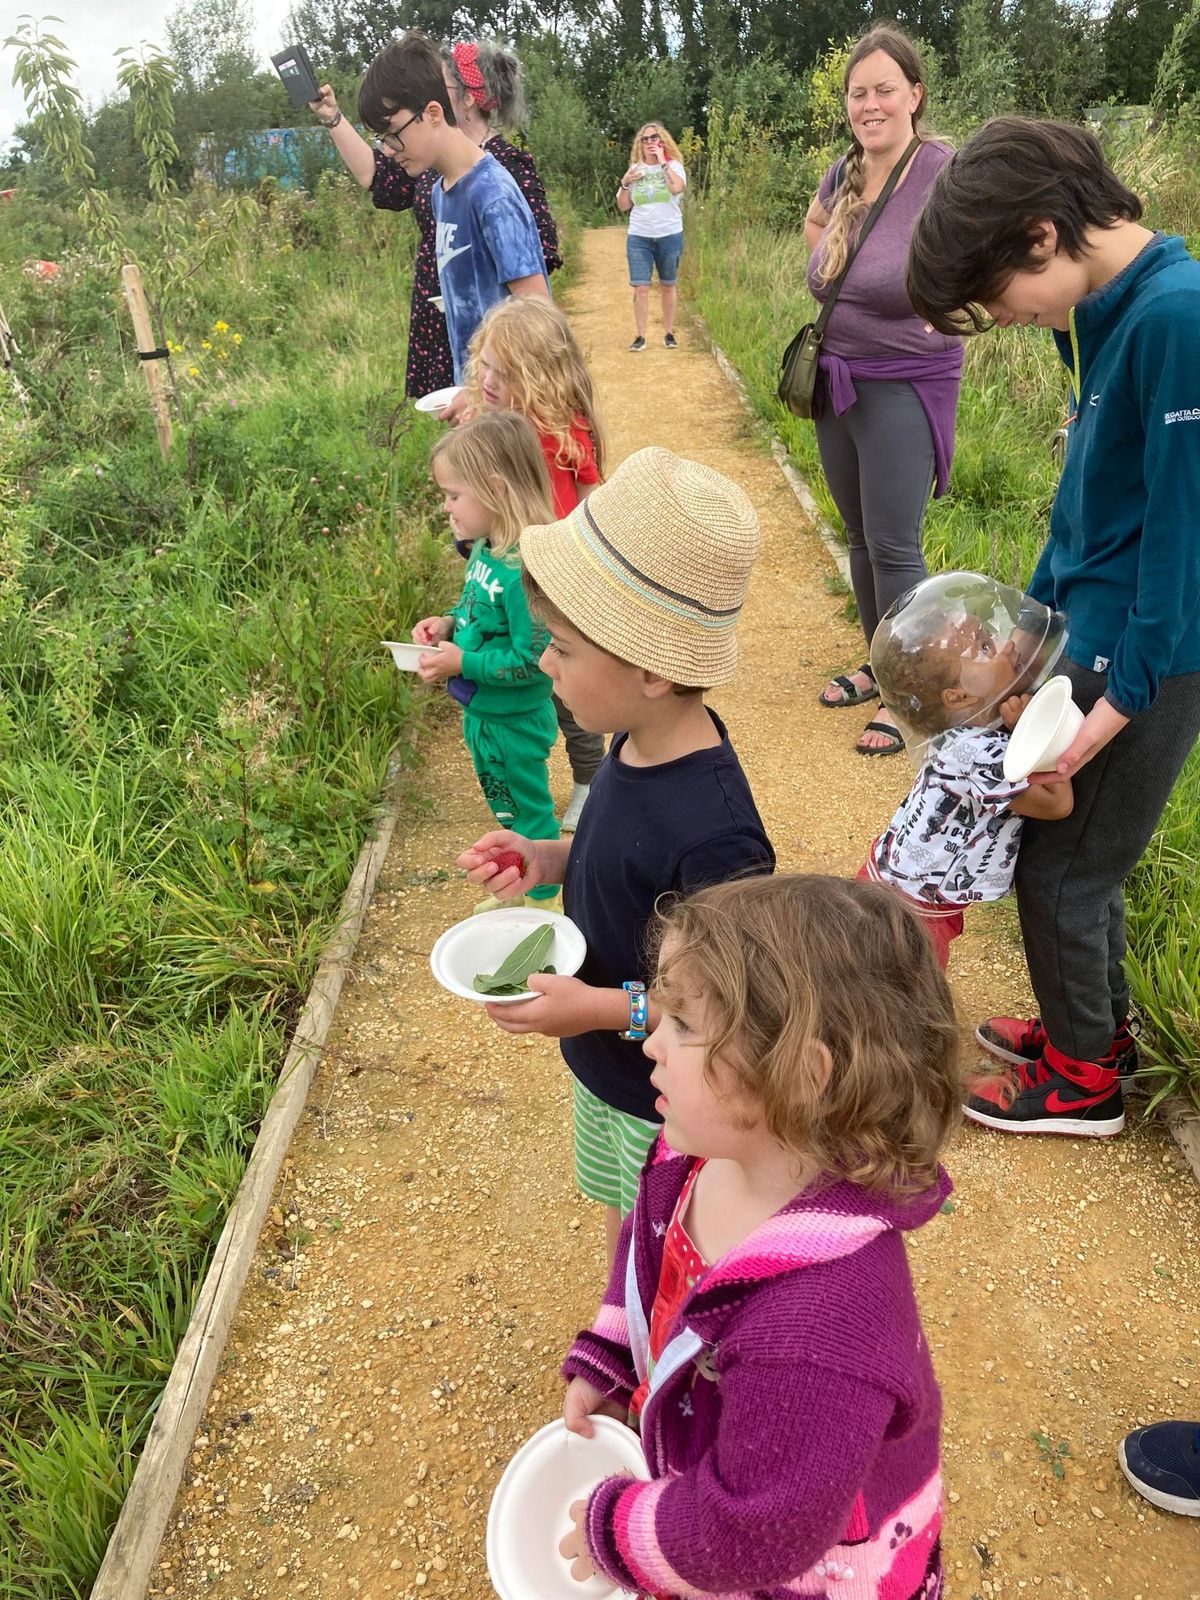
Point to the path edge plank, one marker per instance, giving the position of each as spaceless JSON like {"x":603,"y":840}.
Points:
{"x":136,"y":1539}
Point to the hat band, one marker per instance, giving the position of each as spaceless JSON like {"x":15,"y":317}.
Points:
{"x":630,"y":577}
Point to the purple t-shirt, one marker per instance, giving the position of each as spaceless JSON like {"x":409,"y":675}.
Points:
{"x":873,"y":316}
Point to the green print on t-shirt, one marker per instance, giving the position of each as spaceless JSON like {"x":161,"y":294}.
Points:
{"x":651,"y":188}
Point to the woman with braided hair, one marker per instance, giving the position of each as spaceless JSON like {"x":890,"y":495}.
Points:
{"x":887,"y":388}
{"x":484,"y":80}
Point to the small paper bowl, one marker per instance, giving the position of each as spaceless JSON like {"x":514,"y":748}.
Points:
{"x":438,"y":400}
{"x":406,"y":656}
{"x":530,"y":1510}
{"x":1046,"y":730}
{"x":482,"y":942}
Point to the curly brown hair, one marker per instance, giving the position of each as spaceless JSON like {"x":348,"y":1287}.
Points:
{"x":860,"y":1080}
{"x":911,"y":681}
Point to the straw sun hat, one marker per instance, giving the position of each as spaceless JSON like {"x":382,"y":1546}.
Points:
{"x":653,"y":566}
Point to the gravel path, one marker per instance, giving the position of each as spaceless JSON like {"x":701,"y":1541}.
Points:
{"x":428,"y":1262}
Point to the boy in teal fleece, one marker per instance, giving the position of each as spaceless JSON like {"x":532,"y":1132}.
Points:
{"x":1122,"y":561}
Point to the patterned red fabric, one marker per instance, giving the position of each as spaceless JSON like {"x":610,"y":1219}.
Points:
{"x":682,"y":1268}
{"x":466,"y":62}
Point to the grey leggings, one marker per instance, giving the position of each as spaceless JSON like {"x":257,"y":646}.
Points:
{"x":878,"y":462}
{"x":1070,"y":874}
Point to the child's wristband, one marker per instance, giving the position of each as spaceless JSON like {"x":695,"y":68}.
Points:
{"x":638,"y":1011}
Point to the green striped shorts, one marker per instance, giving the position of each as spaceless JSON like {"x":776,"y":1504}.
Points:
{"x":610,"y":1150}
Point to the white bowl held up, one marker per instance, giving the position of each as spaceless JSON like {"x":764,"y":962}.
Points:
{"x":1046,"y":730}
{"x":438,"y":400}
{"x":406,"y":656}
{"x":482,"y":942}
{"x":530,"y":1510}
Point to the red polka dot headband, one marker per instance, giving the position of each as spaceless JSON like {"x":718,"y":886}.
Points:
{"x":466,"y":64}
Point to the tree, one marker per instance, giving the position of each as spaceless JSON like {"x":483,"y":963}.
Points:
{"x":211,"y":42}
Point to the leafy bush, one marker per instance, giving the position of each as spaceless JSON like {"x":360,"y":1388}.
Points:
{"x":195,"y":723}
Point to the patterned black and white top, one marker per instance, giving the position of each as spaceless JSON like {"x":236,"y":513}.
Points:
{"x":954,"y":840}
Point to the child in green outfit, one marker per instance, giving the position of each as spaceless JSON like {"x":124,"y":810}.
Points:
{"x":494,"y":482}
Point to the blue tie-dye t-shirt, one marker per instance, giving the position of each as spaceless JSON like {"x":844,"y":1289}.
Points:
{"x":486,"y":237}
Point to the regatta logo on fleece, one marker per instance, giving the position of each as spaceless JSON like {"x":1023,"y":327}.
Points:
{"x":446,"y":250}
{"x":479,"y":572}
{"x":1188,"y":414}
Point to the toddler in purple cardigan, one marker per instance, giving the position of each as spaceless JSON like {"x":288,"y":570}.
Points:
{"x":760,"y":1323}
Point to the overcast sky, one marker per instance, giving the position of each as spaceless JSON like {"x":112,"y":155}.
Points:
{"x":93,"y":29}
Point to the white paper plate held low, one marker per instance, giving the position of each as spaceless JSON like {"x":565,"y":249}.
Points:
{"x":438,"y":400}
{"x":1046,"y":730}
{"x":404,"y":655}
{"x":482,"y":943}
{"x":530,"y":1510}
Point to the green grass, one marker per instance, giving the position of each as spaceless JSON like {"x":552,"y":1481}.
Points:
{"x":747,"y":281}
{"x":195,"y":724}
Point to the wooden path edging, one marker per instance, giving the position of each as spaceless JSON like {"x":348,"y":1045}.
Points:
{"x":1181,"y":1120}
{"x":137,"y":1537}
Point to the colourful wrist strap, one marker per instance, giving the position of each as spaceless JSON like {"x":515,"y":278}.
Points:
{"x":638,"y":1010}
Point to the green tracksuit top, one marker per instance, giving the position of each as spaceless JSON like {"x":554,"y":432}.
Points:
{"x":500,"y":642}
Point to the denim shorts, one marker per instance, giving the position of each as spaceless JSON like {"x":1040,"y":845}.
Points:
{"x":646,"y":254}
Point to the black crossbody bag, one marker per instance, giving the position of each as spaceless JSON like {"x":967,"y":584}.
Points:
{"x":798,"y":369}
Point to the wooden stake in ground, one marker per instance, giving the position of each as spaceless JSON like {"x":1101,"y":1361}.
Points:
{"x":8,"y":349}
{"x":149,"y":354}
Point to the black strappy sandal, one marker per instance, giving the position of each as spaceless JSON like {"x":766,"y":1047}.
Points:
{"x":893,"y":733}
{"x":852,"y":695}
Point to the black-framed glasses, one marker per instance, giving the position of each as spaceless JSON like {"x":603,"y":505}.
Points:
{"x":392,"y":143}
{"x":652,"y":138}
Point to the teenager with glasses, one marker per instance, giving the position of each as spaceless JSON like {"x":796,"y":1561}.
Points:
{"x":651,"y":193}
{"x":484,"y":82}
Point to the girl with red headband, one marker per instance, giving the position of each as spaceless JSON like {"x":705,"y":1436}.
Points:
{"x":484,"y":80}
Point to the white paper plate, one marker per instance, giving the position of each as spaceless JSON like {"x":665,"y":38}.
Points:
{"x":436,"y":300}
{"x":438,"y":400}
{"x":406,"y":656}
{"x":1046,"y":730}
{"x":482,"y":942}
{"x":530,"y":1510}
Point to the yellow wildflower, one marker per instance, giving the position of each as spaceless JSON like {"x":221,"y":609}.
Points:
{"x":220,"y":327}
{"x":237,"y":338}
{"x":205,"y":344}
{"x":222,"y":355}
{"x":193,"y":372}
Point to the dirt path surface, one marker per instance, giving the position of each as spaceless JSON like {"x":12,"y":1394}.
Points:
{"x":428,"y":1260}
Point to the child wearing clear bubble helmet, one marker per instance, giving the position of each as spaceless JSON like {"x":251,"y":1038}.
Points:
{"x":955,"y":658}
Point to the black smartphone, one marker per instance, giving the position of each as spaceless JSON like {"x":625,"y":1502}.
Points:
{"x":295,"y":69}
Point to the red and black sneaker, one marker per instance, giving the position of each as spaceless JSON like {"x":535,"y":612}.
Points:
{"x":1054,"y":1094}
{"x":1020,"y":1041}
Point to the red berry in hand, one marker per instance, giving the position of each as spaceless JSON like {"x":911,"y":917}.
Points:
{"x":509,"y":858}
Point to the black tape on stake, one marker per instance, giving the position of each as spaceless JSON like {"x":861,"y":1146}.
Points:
{"x":153,"y":355}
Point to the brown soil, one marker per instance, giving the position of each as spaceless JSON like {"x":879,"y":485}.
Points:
{"x":428,"y":1260}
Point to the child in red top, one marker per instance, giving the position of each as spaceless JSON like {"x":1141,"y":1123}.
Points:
{"x":523,"y":357}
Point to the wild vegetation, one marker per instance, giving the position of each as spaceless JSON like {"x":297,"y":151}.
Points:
{"x":195,"y":716}
{"x":196,"y":721}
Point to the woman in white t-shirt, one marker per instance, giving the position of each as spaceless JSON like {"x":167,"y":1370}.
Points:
{"x":651,"y":192}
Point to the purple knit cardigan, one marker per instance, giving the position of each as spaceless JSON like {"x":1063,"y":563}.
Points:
{"x":791,"y":1428}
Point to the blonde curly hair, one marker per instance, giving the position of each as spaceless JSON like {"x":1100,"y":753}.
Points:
{"x":669,"y":146}
{"x":860,"y":1081}
{"x":531,"y":343}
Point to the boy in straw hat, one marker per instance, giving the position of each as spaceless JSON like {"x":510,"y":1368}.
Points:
{"x":640,"y":588}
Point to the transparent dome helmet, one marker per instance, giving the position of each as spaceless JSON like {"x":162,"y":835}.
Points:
{"x":951,"y":650}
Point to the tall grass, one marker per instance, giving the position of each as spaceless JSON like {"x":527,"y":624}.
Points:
{"x":195,"y":724}
{"x":747,"y":279}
